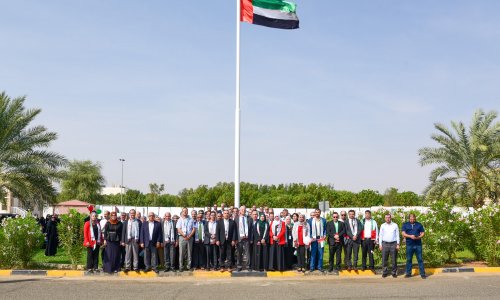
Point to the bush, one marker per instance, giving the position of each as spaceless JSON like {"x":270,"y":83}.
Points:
{"x":71,"y":235}
{"x":20,"y":239}
{"x":484,"y":225}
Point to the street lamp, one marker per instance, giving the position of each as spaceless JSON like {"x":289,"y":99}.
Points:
{"x":121,"y":187}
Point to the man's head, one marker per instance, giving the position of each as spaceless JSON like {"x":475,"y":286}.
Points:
{"x":222,"y":206}
{"x":343,"y":215}
{"x":219,"y":215}
{"x":302,"y":218}
{"x":138,"y":216}
{"x":199,"y":217}
{"x":352,"y":213}
{"x":175,"y":218}
{"x":387,"y":218}
{"x":243,"y":210}
{"x":335,"y":216}
{"x":225,"y":214}
{"x":184,"y":212}
{"x":412,"y":218}
{"x":255,"y":215}
{"x":123,"y":216}
{"x":213,"y":216}
{"x":368,"y":214}
{"x":151,"y":216}
{"x":193,"y":214}
{"x":318,"y":213}
{"x":106,"y":214}
{"x":131,"y":214}
{"x":168,"y":216}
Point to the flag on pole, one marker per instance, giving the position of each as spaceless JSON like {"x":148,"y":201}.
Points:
{"x":270,"y":13}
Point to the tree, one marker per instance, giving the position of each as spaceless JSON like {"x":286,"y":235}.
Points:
{"x":468,"y":161}
{"x":27,"y":169}
{"x":155,"y":191}
{"x":83,"y":181}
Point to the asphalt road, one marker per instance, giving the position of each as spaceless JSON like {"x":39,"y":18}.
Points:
{"x":453,"y":286}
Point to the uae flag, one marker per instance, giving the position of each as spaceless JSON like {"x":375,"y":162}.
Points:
{"x":270,"y":13}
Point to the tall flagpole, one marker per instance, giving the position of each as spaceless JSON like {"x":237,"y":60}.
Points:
{"x":237,"y":113}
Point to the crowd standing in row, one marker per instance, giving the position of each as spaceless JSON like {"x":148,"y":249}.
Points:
{"x":227,"y":239}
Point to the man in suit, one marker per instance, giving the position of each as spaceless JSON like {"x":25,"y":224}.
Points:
{"x":151,"y":237}
{"x":169,"y":239}
{"x":244,"y":233}
{"x":318,"y":234}
{"x":131,"y":234}
{"x":335,"y":231}
{"x":254,"y":220}
{"x":199,"y":241}
{"x":353,"y":239}
{"x":226,"y":237}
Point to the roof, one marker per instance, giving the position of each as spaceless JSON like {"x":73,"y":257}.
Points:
{"x":73,"y":203}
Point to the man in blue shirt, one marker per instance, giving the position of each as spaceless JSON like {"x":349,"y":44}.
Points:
{"x":413,"y":232}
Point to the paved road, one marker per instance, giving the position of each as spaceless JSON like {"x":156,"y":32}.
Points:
{"x":453,"y":286}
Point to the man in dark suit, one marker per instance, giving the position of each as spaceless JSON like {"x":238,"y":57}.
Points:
{"x":244,"y":234}
{"x":335,"y":232}
{"x":199,"y":242}
{"x":151,"y":237}
{"x":353,"y":239}
{"x":226,"y":237}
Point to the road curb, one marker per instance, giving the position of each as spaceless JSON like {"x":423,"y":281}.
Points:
{"x":215,"y":274}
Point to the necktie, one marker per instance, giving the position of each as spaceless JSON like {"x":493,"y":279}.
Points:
{"x":199,"y":231}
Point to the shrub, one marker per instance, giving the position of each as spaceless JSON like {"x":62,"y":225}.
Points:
{"x":484,"y":225}
{"x":20,"y":239}
{"x":71,"y":235}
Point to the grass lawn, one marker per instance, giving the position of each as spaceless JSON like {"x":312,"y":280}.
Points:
{"x":59,"y":258}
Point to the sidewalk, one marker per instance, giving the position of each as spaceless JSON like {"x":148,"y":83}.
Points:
{"x":214,"y":274}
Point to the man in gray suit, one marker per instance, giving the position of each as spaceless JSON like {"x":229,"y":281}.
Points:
{"x":169,"y":240}
{"x":131,"y":234}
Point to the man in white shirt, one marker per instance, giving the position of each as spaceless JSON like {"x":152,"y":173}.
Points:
{"x":369,"y":237}
{"x":389,"y":244}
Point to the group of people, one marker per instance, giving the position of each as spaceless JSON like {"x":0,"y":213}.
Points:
{"x":227,"y":239}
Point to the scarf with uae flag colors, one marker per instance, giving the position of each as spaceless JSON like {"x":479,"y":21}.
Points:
{"x":271,"y":13}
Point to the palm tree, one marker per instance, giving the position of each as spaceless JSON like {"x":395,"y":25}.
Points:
{"x":468,"y":161}
{"x":27,"y":168}
{"x":82,"y":180}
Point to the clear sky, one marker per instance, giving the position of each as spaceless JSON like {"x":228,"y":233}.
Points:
{"x":347,"y":99}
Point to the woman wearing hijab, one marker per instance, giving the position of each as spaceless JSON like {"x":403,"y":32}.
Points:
{"x":300,"y":235}
{"x":290,"y":259}
{"x":277,"y":230}
{"x":52,"y":236}
{"x":112,"y":240}
{"x":92,"y":239}
{"x":260,"y":244}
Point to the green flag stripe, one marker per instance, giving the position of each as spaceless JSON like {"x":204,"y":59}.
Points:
{"x":276,"y":5}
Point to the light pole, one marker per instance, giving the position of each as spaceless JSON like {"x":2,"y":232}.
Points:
{"x":121,"y":186}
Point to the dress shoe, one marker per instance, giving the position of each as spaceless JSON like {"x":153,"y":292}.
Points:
{"x":407,"y":275}
{"x":424,"y":276}
{"x":384,"y":275}
{"x":395,"y":275}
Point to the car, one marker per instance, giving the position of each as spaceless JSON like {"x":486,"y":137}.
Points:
{"x":6,"y":215}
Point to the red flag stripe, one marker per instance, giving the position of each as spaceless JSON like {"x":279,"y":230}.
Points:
{"x":246,"y":11}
